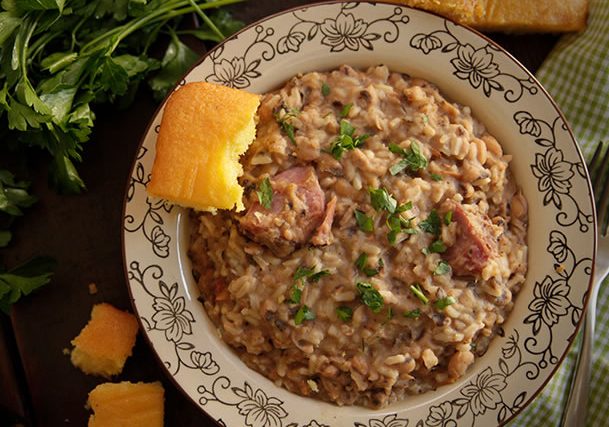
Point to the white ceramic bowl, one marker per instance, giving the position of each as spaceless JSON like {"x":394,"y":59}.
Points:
{"x":469,"y":69}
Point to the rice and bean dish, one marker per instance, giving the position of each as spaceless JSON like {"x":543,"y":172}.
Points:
{"x":382,"y":245}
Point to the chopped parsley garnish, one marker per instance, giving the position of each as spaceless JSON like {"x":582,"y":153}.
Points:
{"x":296,"y":294}
{"x":412,"y":160}
{"x":303,"y":313}
{"x":448,"y":217}
{"x":442,"y":268}
{"x":398,"y":224}
{"x":309,"y":274}
{"x":364,"y":222}
{"x":301,"y":276}
{"x":370,"y":296}
{"x":316,"y":276}
{"x":362,"y":265}
{"x":389,"y":313}
{"x":382,"y":200}
{"x":265,"y":193}
{"x":302,"y":272}
{"x":345,"y":111}
{"x":344,"y":313}
{"x":413,"y":314}
{"x":325,"y":89}
{"x":442,"y":303}
{"x":346,"y":140}
{"x":425,"y":118}
{"x":432,"y":224}
{"x":436,"y":177}
{"x":418,"y":292}
{"x":436,"y":247}
{"x":284,"y":122}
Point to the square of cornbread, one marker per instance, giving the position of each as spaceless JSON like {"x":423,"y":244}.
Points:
{"x":127,"y":404}
{"x":104,"y":344}
{"x":204,"y":129}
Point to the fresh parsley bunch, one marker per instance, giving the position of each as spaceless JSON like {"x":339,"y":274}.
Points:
{"x":60,"y":57}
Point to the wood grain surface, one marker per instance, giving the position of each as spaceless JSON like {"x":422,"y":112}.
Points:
{"x":37,"y":382}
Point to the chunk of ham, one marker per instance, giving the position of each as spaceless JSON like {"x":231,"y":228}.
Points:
{"x":296,"y":211}
{"x":323,"y":235}
{"x":474,"y":244}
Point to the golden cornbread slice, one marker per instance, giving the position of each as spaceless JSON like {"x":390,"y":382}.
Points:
{"x":104,"y":344}
{"x":511,"y":15}
{"x":127,"y":404}
{"x":204,"y":129}
{"x":527,"y":15}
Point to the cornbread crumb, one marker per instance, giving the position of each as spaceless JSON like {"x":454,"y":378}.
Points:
{"x":127,"y":404}
{"x":92,"y":288}
{"x":104,"y":344}
{"x":66,"y":351}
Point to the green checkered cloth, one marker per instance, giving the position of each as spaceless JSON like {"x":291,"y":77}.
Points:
{"x":576,"y":73}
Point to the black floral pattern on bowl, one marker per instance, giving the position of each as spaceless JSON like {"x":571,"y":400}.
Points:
{"x":477,"y":66}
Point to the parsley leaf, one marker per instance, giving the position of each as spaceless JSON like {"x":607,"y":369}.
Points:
{"x":382,"y":200}
{"x":316,"y":276}
{"x":114,"y":78}
{"x":296,"y":294}
{"x":364,"y":222}
{"x":309,"y":274}
{"x":437,"y":247}
{"x":370,"y":296}
{"x":177,"y":59}
{"x":23,"y":280}
{"x":448,"y":217}
{"x":325,"y":89}
{"x":413,"y":314}
{"x":302,"y":272}
{"x":265,"y":193}
{"x":345,"y":111}
{"x":436,"y":177}
{"x":344,"y":313}
{"x":412,"y":160}
{"x":346,"y":140}
{"x":225,"y":24}
{"x":442,"y":303}
{"x":13,"y":194}
{"x":415,"y":288}
{"x":432,"y":224}
{"x":284,"y":122}
{"x":362,"y":265}
{"x":303,"y":313}
{"x":398,"y":224}
{"x":442,"y":268}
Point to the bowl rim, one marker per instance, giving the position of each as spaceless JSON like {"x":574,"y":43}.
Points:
{"x":253,"y":24}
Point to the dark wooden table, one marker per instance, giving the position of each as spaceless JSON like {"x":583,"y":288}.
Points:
{"x":38,"y":385}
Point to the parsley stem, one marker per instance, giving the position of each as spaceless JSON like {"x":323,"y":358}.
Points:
{"x":168,"y":11}
{"x":206,"y":19}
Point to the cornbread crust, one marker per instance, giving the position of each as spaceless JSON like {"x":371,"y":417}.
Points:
{"x":511,"y":15}
{"x":459,"y":10}
{"x":103,"y":345}
{"x":127,"y":404}
{"x":204,"y":129}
